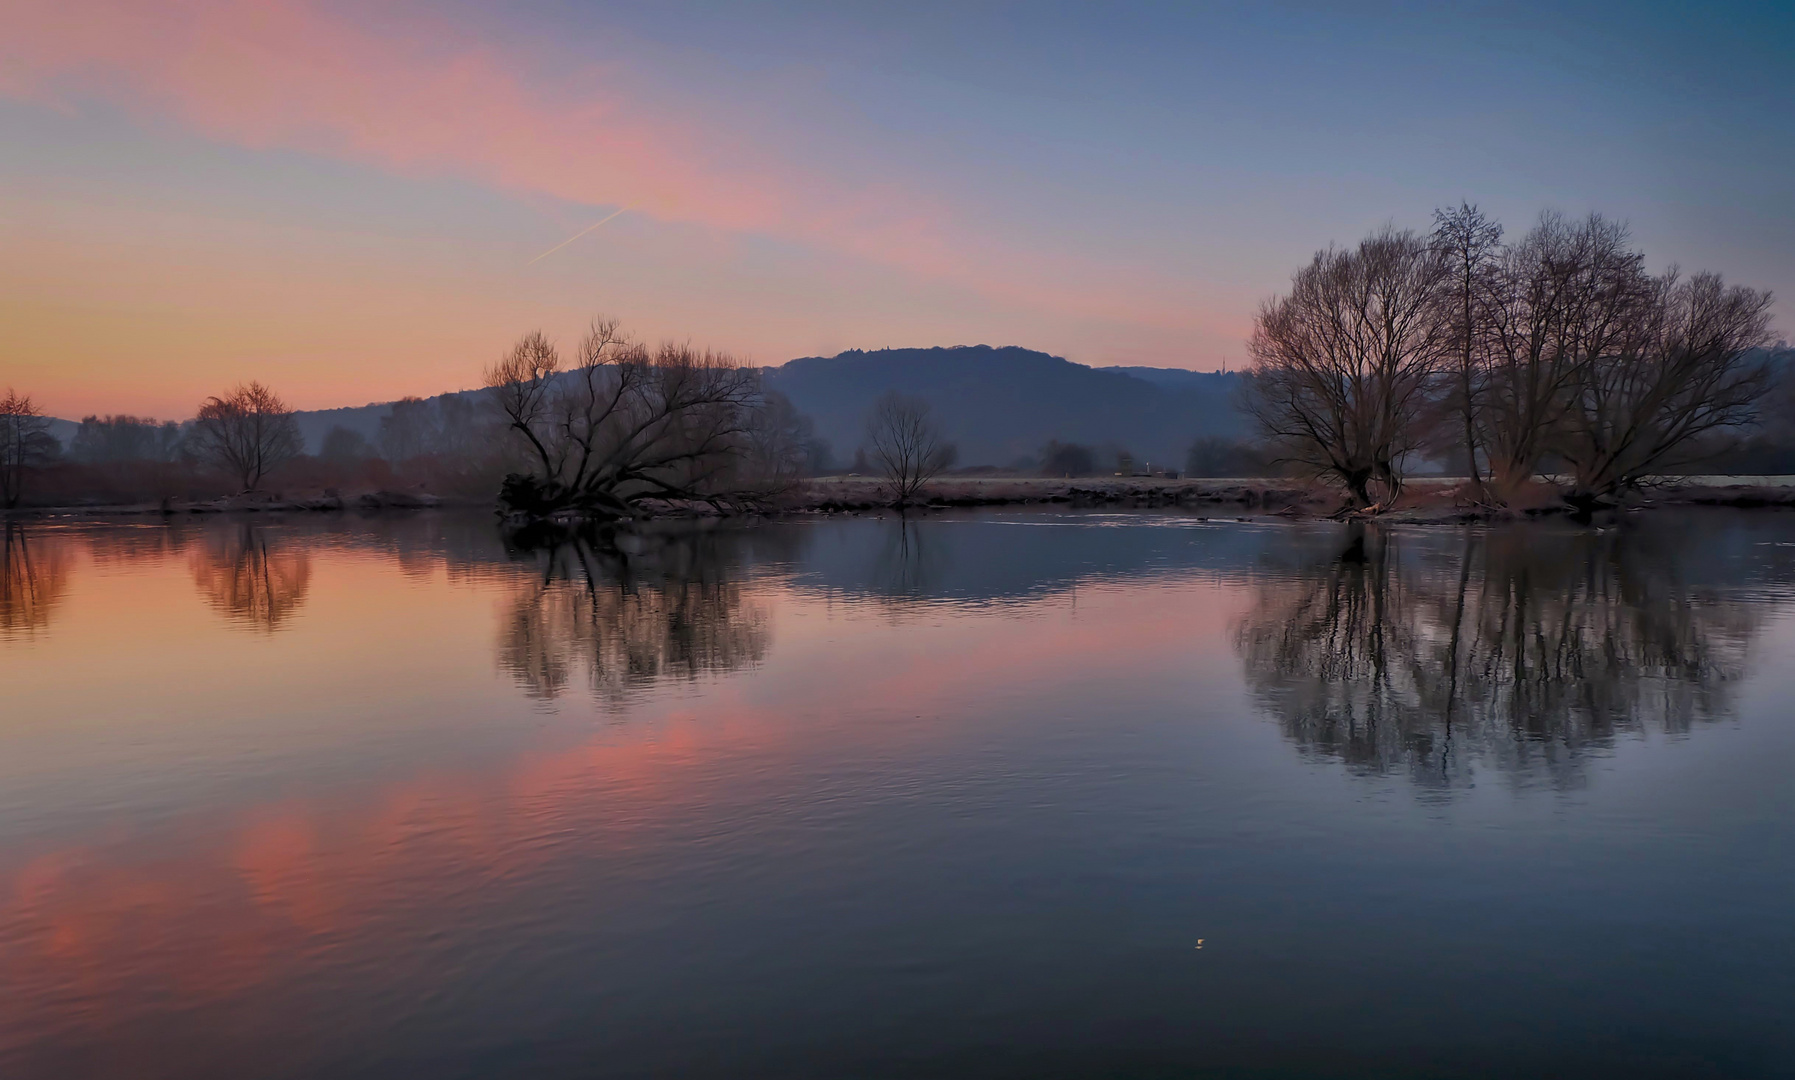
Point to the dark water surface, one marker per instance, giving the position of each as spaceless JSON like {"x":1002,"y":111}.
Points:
{"x":856,"y":797}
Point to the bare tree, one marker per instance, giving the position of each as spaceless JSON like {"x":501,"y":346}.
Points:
{"x":905,"y":445}
{"x":25,"y":441}
{"x":1471,"y":243}
{"x":1345,"y":366}
{"x":623,"y":426}
{"x":1568,"y":297}
{"x":1684,"y":370}
{"x":247,"y":433}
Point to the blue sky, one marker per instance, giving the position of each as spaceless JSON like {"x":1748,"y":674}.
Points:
{"x":346,"y":200}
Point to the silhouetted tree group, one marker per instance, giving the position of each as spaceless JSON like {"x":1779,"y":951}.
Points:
{"x":1558,"y":349}
{"x":245,"y":435}
{"x":112,"y":439}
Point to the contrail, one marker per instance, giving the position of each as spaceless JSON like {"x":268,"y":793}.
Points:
{"x":576,"y":236}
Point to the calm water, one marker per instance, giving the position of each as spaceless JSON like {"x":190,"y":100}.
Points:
{"x":1008,"y":795}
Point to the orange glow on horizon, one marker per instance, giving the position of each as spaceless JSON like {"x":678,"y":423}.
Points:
{"x":122,"y":308}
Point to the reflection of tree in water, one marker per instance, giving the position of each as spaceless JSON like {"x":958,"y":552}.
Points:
{"x":33,"y":576}
{"x":252,"y":580}
{"x":631,"y":610}
{"x":1521,"y":649}
{"x":908,"y":566}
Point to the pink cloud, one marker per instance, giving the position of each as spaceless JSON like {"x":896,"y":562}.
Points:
{"x":437,"y":99}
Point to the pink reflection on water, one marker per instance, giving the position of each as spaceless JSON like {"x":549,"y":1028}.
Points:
{"x":242,"y":909}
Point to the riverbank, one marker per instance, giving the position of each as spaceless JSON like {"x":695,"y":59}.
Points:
{"x":834,"y":493}
{"x":1426,"y":500}
{"x":254,"y":502}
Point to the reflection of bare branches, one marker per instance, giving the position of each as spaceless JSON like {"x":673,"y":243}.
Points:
{"x":33,"y":575}
{"x":1521,"y":650}
{"x":907,"y":567}
{"x":251,"y":581}
{"x":666,"y":608}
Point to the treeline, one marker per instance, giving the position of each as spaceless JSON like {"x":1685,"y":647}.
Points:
{"x":621,"y":425}
{"x":1553,"y":356}
{"x":243,"y":440}
{"x":1556,"y":354}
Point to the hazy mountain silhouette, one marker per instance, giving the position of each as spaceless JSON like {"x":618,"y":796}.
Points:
{"x":999,"y":404}
{"x":996,"y":404}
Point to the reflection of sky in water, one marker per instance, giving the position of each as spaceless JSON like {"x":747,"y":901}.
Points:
{"x":853,"y":796}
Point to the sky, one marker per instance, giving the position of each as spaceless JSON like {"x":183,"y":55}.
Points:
{"x":357,"y":201}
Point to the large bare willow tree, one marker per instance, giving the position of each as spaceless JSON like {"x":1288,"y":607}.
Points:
{"x":1684,"y":373}
{"x":1567,"y":300}
{"x":1347,"y":365}
{"x":625,"y":425}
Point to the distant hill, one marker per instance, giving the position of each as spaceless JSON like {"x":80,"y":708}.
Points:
{"x":1180,"y":379}
{"x":996,"y":404}
{"x":62,"y":430}
{"x":1001,"y":404}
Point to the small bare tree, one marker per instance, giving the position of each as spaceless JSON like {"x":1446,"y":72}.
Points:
{"x":1684,"y":371}
{"x":624,"y":425}
{"x":247,"y":433}
{"x":1345,"y":366}
{"x":905,"y":445}
{"x":25,"y":441}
